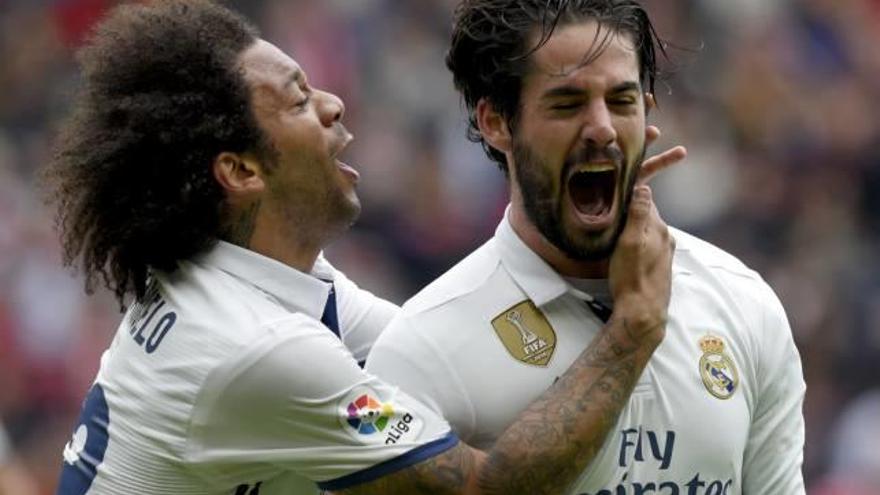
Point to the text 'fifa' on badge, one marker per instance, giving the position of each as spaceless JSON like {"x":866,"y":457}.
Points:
{"x":717,"y":369}
{"x":526,"y":334}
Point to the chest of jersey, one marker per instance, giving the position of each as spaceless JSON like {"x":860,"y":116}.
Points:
{"x":685,"y":426}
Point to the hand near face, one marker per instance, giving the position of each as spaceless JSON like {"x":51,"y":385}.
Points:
{"x":640,"y":273}
{"x":653,"y":165}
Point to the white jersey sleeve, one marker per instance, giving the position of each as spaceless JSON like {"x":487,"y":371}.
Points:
{"x":362,"y":315}
{"x":774,"y":452}
{"x":408,"y":358}
{"x":297,"y":399}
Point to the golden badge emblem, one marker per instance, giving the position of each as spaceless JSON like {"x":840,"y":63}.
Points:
{"x":526,"y":333}
{"x":717,"y":369}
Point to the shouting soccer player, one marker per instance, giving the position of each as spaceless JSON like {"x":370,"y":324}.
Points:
{"x":198,"y":178}
{"x":558,"y":94}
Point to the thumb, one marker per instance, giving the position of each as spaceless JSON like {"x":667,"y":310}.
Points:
{"x":641,"y":203}
{"x":639,"y":214}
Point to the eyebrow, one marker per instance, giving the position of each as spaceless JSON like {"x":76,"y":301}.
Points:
{"x":568,"y":90}
{"x":296,"y":77}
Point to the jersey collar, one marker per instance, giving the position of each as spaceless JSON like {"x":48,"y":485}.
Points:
{"x":539,"y":280}
{"x":295,"y":290}
{"x":534,"y":276}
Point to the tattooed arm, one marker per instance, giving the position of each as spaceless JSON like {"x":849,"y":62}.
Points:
{"x":557,"y":436}
{"x":549,"y":444}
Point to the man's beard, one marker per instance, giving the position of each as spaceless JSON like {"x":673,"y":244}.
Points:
{"x":543,"y":205}
{"x":321,"y":213}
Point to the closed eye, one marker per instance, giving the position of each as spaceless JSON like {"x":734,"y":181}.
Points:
{"x":303,"y":103}
{"x":566,"y":106}
{"x":626,"y":100}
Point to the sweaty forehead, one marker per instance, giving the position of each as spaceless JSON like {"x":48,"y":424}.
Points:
{"x":265,"y":64}
{"x":586,"y":49}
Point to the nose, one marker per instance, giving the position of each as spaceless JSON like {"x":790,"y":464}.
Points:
{"x":598,"y":127}
{"x":330,"y":108}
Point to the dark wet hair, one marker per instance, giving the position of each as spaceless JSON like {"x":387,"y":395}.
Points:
{"x":131,"y":177}
{"x":491,"y":45}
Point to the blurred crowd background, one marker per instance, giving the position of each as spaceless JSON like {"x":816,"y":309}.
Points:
{"x":778,"y":102}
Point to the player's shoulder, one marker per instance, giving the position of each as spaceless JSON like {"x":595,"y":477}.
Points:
{"x":467,"y":276}
{"x":693,"y":252}
{"x":212,"y":301}
{"x":722,"y":270}
{"x":221,"y":328}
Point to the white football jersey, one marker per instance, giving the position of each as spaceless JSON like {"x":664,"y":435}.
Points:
{"x":225,"y":381}
{"x":716,"y":411}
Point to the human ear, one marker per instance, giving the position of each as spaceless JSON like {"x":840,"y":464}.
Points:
{"x":493,"y":126}
{"x":238,"y":174}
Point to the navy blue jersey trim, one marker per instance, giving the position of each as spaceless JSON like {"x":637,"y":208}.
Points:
{"x":87,"y":446}
{"x":330,"y":318}
{"x":404,"y":460}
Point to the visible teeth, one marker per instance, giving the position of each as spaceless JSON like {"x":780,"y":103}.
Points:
{"x":595,"y":167}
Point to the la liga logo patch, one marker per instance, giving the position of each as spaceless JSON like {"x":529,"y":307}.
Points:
{"x":367,"y":415}
{"x":368,"y":419}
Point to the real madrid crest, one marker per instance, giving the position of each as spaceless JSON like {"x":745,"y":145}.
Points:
{"x":526,"y":333}
{"x":717,"y":368}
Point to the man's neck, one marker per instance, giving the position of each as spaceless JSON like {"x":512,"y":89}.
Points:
{"x":298,"y":256}
{"x":561,"y":262}
{"x":273,"y":239}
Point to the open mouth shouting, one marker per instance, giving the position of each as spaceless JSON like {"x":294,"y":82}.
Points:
{"x":344,"y":167}
{"x":592,"y":191}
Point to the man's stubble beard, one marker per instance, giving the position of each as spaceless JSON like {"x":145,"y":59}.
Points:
{"x":544,"y":208}
{"x":319,"y":216}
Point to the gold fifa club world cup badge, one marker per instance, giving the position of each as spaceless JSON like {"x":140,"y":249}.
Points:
{"x":717,"y":369}
{"x":526,"y":333}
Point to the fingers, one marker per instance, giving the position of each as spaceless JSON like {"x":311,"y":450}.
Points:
{"x":642,"y":199}
{"x":640,"y":209}
{"x":652,"y":134}
{"x":657,"y":163}
{"x":644,"y":219}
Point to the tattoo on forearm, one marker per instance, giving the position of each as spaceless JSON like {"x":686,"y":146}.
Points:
{"x":554,"y":431}
{"x":240,"y":228}
{"x":550,"y":443}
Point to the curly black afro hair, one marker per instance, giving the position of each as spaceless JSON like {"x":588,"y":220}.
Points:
{"x":131,"y":178}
